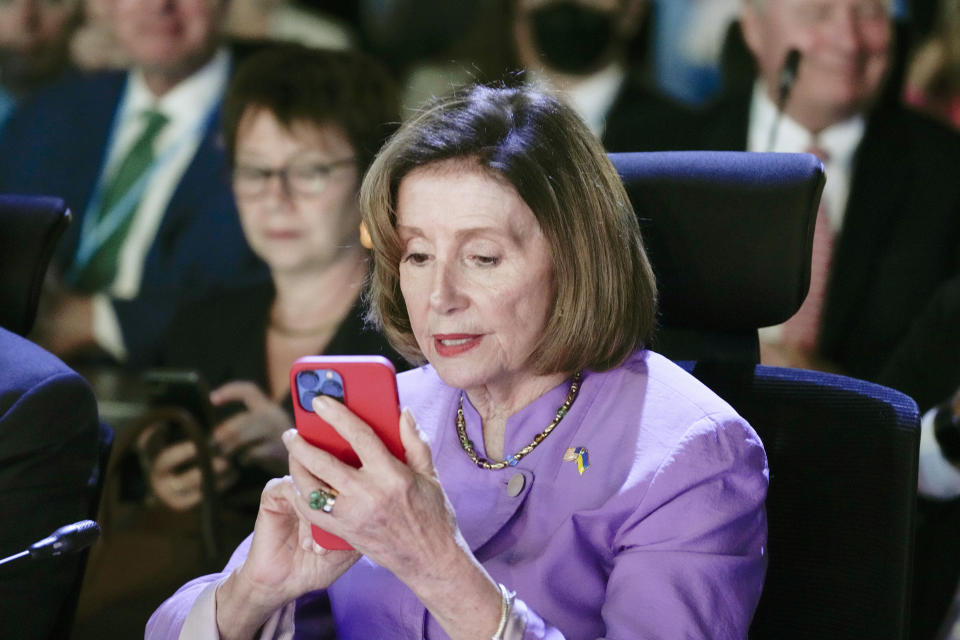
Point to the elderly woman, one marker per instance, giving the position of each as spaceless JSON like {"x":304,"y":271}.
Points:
{"x":301,"y":127}
{"x":561,"y":480}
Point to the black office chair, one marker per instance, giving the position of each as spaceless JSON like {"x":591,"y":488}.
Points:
{"x":29,"y":232}
{"x":30,"y":227}
{"x":730,"y":235}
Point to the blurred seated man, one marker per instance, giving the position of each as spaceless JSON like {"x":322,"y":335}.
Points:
{"x":33,"y":46}
{"x":886,"y":238}
{"x":136,"y":156}
{"x":48,"y":451}
{"x":581,"y":49}
{"x":889,"y":222}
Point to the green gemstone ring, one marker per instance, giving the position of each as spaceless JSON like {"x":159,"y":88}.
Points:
{"x":321,"y":500}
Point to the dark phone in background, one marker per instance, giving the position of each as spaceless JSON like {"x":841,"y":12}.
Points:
{"x":180,"y":388}
{"x":183,"y":388}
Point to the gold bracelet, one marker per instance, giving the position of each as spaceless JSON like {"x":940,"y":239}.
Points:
{"x":506,"y":605}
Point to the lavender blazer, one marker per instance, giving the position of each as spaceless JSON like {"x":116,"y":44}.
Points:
{"x":663,"y":536}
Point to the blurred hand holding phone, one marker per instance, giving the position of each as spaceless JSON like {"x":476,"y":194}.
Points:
{"x":180,"y":422}
{"x":181,"y":389}
{"x":251,"y":435}
{"x":367,"y":385}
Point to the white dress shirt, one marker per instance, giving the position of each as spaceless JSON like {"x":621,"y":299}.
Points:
{"x":937,"y":477}
{"x":188,"y":106}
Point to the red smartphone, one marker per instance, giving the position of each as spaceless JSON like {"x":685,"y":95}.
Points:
{"x":367,"y":385}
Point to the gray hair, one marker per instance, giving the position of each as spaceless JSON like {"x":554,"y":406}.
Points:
{"x":759,"y":5}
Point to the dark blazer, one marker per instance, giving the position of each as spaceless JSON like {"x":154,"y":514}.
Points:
{"x":900,"y":237}
{"x":225,"y":337}
{"x":642,"y":118}
{"x":927,"y":366}
{"x":891,"y":282}
{"x":56,"y":143}
{"x":48,"y":452}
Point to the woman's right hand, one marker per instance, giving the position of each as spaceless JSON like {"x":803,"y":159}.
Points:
{"x":179,"y":488}
{"x":283,"y":563}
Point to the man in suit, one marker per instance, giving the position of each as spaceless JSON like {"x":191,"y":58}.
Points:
{"x":137,"y":157}
{"x":48,"y":452}
{"x":888,"y":233}
{"x":892,"y":200}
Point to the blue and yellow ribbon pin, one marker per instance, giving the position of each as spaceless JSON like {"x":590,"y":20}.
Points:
{"x":580,"y":455}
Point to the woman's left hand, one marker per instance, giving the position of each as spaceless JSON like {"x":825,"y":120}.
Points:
{"x":253,"y":434}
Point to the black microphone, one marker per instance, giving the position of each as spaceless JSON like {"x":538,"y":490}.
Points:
{"x":66,"y":539}
{"x":787,"y":77}
{"x":785,"y":81}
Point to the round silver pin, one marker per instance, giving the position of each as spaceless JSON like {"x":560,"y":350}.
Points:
{"x":515,"y":485}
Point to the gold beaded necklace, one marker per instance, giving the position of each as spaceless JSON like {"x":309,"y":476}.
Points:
{"x":512,"y":461}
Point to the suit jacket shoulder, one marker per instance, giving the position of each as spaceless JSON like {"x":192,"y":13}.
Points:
{"x":722,"y":125}
{"x":48,"y":450}
{"x":55,"y":141}
{"x":900,"y":240}
{"x":43,"y":405}
{"x":643,"y":119}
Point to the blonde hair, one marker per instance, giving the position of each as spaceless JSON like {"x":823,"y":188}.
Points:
{"x":605,"y":291}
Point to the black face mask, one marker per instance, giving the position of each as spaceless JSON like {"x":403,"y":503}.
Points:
{"x":572,"y":38}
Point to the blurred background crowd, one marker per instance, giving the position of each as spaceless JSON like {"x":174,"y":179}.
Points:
{"x":119,"y":107}
{"x":682,"y":48}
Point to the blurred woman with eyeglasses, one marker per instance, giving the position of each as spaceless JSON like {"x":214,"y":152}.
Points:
{"x":301,"y":126}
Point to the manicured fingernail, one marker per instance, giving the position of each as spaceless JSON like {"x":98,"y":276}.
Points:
{"x":306,"y":544}
{"x":317,"y":548}
{"x":288,"y":435}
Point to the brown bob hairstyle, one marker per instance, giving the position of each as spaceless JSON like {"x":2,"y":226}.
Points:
{"x":606,"y":294}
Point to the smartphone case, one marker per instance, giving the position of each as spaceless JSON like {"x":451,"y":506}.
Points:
{"x":370,"y":392}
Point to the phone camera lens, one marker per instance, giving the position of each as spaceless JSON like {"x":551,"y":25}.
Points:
{"x":306,"y":399}
{"x":332,"y":388}
{"x":308,"y":380}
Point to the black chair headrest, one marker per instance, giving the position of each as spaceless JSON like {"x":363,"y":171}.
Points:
{"x":729,"y":234}
{"x":29,"y":229}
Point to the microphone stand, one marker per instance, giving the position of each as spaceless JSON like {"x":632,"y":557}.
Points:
{"x":786,"y":80}
{"x":15,"y":556}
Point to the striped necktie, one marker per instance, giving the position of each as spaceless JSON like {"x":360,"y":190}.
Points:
{"x":802,"y":330}
{"x":126,"y":182}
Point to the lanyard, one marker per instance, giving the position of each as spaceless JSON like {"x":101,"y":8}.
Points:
{"x":95,"y":232}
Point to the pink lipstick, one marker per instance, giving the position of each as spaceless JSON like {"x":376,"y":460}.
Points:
{"x":452,"y":344}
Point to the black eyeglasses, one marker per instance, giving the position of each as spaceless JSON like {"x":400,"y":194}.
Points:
{"x":302,"y":177}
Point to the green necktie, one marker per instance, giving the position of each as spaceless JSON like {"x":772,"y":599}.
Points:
{"x":101,"y":270}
